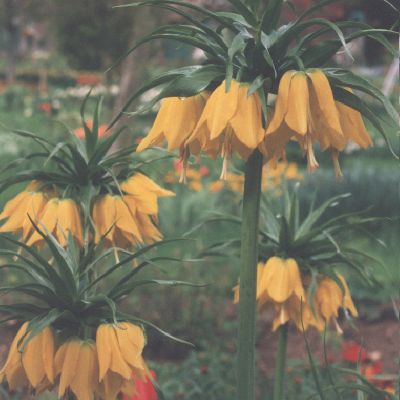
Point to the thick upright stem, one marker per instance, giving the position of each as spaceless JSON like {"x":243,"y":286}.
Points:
{"x":280,"y":362}
{"x":248,"y":278}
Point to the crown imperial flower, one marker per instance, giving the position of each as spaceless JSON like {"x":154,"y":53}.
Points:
{"x":30,"y":362}
{"x":76,"y":363}
{"x":306,"y":111}
{"x":120,"y":350}
{"x":231,"y":122}
{"x":175,"y":121}
{"x":329,"y":298}
{"x":28,"y":203}
{"x":60,"y":217}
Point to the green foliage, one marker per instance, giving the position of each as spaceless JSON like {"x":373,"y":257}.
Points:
{"x":70,"y":292}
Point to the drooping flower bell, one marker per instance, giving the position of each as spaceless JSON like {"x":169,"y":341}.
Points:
{"x":30,"y":362}
{"x":120,"y":358}
{"x":231,"y":122}
{"x":279,"y":284}
{"x":306,"y":111}
{"x":329,"y":298}
{"x":60,"y":217}
{"x":175,"y":121}
{"x":129,"y":219}
{"x":144,"y":193}
{"x":76,"y":363}
{"x":28,"y":203}
{"x":115,"y":222}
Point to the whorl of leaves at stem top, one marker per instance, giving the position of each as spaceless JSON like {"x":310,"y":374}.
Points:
{"x":250,"y":46}
{"x":73,"y":293}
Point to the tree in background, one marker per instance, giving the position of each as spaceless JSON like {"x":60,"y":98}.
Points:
{"x":91,"y":33}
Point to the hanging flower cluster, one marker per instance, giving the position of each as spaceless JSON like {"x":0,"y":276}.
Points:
{"x":280,"y":284}
{"x":307,"y":112}
{"x":222,"y":107}
{"x":121,"y":209}
{"x":75,"y":213}
{"x":102,"y":368}
{"x":300,"y":280}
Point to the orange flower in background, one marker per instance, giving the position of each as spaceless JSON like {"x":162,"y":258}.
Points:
{"x":60,"y":217}
{"x":80,"y":132}
{"x":271,"y":179}
{"x":88,"y":78}
{"x":352,"y":352}
{"x":29,"y":203}
{"x":371,"y":365}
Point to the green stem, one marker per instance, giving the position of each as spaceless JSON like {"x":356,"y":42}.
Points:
{"x":280,"y":363}
{"x":248,"y":278}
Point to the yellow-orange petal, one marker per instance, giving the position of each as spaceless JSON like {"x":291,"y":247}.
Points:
{"x":353,"y":125}
{"x":298,"y":107}
{"x":326,"y":102}
{"x":281,"y":105}
{"x":70,"y":365}
{"x":247,"y":122}
{"x":220,"y":108}
{"x":103,"y":349}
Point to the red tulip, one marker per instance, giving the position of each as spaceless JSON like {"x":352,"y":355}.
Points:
{"x":144,"y":390}
{"x":352,"y":352}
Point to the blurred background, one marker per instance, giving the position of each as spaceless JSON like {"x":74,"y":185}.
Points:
{"x":52,"y":52}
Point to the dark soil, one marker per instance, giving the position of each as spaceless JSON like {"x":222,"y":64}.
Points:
{"x":380,"y":336}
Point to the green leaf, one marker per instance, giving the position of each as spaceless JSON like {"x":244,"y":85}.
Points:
{"x":256,"y":85}
{"x":271,"y":15}
{"x":129,"y":287}
{"x":103,"y":147}
{"x":353,"y":101}
{"x":128,"y":259}
{"x":314,"y":8}
{"x":187,"y":85}
{"x":50,"y":273}
{"x":35,"y":290}
{"x":236,"y":20}
{"x":92,"y":136}
{"x":101,"y":298}
{"x":37,"y":324}
{"x":64,"y":263}
{"x":150,"y":325}
{"x":25,"y":311}
{"x":244,"y":11}
{"x":313,"y":217}
{"x":161,"y":79}
{"x":342,"y":77}
{"x":184,"y":4}
{"x":321,"y":53}
{"x":265,"y":41}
